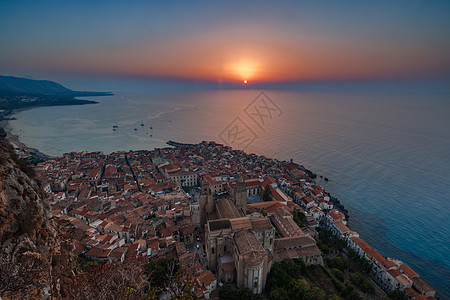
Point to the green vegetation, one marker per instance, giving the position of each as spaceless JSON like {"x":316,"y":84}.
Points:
{"x":335,"y":282}
{"x":159,"y":271}
{"x":362,"y":263}
{"x":327,"y":238}
{"x":398,"y":295}
{"x":267,"y":194}
{"x":12,"y":100}
{"x":300,"y":218}
{"x":86,"y":264}
{"x":323,"y":247}
{"x":360,"y":281}
{"x":290,"y":279}
{"x":337,"y":262}
{"x":338,"y":274}
{"x":226,"y":292}
{"x":340,"y":269}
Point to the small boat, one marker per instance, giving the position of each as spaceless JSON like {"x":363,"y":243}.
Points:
{"x":151,"y":127}
{"x":151,"y":135}
{"x":135,"y":129}
{"x":115,"y":126}
{"x":114,"y":129}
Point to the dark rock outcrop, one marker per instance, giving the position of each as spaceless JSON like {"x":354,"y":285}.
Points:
{"x":27,"y":236}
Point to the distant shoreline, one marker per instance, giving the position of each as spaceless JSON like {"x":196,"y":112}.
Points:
{"x":14,"y":139}
{"x":7,"y":115}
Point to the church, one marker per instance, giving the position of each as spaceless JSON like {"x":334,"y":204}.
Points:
{"x":240,"y":249}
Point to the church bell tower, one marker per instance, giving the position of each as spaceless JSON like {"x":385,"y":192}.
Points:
{"x":205,"y":202}
{"x":241,"y":196}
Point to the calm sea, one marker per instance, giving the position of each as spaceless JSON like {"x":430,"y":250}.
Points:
{"x":386,"y":152}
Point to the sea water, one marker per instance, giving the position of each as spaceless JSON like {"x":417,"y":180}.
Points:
{"x":385,"y":152}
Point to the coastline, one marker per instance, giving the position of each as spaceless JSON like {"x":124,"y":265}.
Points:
{"x":15,"y":139}
{"x":33,"y":152}
{"x":7,"y":114}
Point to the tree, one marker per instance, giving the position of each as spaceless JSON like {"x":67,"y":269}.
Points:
{"x":158,"y":272}
{"x":356,"y":279}
{"x":338,"y":274}
{"x":300,"y":218}
{"x":169,"y":279}
{"x":278,"y":294}
{"x":226,"y":292}
{"x":353,"y":295}
{"x":110,"y":281}
{"x":323,"y":247}
{"x":367,"y":287}
{"x":362,"y":283}
{"x":360,"y":261}
{"x":292,"y":268}
{"x":301,"y":290}
{"x":398,"y":295}
{"x":244,"y":294}
{"x":267,"y":194}
{"x":337,"y":262}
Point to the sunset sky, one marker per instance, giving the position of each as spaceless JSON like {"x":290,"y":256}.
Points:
{"x":226,"y":41}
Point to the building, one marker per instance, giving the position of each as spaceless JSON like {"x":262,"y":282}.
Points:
{"x":241,"y":249}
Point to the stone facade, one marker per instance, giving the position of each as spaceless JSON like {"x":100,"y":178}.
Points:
{"x":241,"y":249}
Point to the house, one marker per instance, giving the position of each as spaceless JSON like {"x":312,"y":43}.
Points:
{"x":308,"y":202}
{"x":188,"y":234}
{"x":335,"y":216}
{"x":207,"y":282}
{"x":118,"y":254}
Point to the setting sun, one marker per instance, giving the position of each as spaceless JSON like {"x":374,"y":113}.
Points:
{"x":245,"y":70}
{"x":245,"y":81}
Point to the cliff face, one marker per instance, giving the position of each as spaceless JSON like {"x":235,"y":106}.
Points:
{"x":27,"y":235}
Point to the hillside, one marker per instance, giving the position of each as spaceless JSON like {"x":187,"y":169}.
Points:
{"x":16,"y":93}
{"x":19,"y":85}
{"x":32,"y":248}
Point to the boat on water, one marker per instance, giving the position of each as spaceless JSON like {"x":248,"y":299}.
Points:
{"x":135,"y":129}
{"x":151,"y":127}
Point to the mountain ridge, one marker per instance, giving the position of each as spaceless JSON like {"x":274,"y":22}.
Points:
{"x":12,"y":84}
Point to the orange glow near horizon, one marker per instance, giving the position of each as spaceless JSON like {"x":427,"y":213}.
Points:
{"x":245,"y":70}
{"x":276,"y":43}
{"x":230,"y":57}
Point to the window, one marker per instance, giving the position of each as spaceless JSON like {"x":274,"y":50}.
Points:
{"x":224,"y":248}
{"x":212,"y":250}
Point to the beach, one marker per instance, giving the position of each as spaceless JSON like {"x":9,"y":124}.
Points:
{"x":14,"y":140}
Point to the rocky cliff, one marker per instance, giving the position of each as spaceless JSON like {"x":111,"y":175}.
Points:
{"x":27,"y":235}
